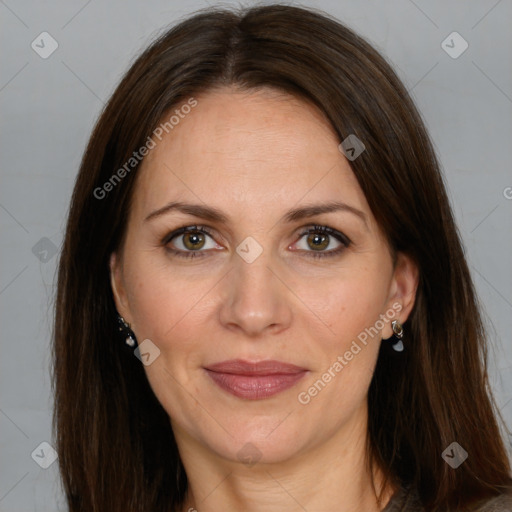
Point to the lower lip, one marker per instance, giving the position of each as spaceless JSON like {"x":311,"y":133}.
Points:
{"x":255,"y":387}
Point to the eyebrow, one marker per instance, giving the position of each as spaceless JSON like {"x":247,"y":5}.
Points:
{"x":215,"y":215}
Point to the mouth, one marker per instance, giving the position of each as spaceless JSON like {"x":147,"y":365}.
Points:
{"x":255,"y":381}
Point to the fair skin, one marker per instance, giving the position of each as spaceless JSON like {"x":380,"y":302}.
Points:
{"x":255,"y":156}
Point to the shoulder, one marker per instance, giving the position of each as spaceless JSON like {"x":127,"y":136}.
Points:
{"x":406,"y":499}
{"x":501,"y":503}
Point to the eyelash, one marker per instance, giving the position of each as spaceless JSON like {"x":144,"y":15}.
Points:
{"x":326,"y":230}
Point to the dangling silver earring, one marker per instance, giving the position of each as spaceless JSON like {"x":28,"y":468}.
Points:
{"x":126,"y":332}
{"x":396,"y":338}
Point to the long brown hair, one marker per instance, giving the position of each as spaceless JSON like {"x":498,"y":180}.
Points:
{"x":116,"y":447}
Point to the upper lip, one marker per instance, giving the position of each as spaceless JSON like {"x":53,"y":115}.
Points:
{"x":267,"y":367}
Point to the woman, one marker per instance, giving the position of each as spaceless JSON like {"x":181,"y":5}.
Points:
{"x":263,"y":302}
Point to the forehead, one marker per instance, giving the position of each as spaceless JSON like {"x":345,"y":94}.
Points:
{"x":235,"y":150}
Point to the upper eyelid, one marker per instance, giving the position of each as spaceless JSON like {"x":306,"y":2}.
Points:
{"x":182,"y":230}
{"x":300,"y":232}
{"x":329,"y":231}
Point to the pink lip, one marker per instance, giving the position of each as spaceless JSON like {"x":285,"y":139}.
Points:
{"x":255,"y":381}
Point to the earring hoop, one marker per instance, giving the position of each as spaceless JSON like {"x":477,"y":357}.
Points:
{"x":126,"y":332}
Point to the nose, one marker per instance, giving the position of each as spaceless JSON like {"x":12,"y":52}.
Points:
{"x":256,"y":300}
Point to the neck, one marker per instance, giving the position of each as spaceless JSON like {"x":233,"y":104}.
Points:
{"x":332,"y":476}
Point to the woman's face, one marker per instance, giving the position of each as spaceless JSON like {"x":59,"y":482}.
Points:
{"x":251,"y":168}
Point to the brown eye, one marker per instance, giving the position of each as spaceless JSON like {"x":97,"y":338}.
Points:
{"x":318,"y":241}
{"x":193,"y":240}
{"x":322,"y":241}
{"x":190,"y":241}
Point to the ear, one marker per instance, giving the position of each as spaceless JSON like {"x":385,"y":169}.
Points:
{"x":118,"y":286}
{"x":404,"y":284}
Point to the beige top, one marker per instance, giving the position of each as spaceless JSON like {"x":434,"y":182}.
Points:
{"x":405,"y":500}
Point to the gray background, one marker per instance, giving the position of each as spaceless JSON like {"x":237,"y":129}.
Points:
{"x":48,"y":108}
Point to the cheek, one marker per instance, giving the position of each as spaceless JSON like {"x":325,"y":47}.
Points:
{"x":349,"y":302}
{"x":161,"y":299}
{"x":169,"y":310}
{"x":347,"y":355}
